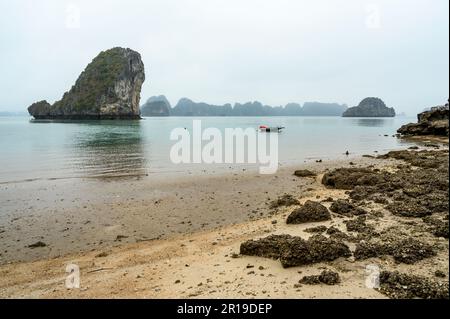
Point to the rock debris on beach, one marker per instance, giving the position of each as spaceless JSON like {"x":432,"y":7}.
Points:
{"x":304,"y":173}
{"x":37,"y":245}
{"x":407,"y":251}
{"x":295,"y":251}
{"x":285,"y":200}
{"x":345,"y":208}
{"x":404,"y":286}
{"x":309,"y":212}
{"x":327,"y":277}
{"x":317,"y":229}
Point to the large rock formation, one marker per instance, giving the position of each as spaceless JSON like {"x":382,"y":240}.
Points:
{"x":156,"y":106}
{"x":433,"y":122}
{"x":109,"y":88}
{"x":370,"y":107}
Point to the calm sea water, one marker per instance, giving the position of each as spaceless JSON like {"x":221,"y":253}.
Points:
{"x":31,"y":150}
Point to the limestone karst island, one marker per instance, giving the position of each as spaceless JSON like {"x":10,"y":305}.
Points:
{"x":370,"y":107}
{"x":108,"y":88}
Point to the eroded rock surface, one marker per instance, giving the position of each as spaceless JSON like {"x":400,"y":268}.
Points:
{"x":285,"y":200}
{"x":407,"y":251}
{"x":295,"y":251}
{"x":406,"y":192}
{"x":309,"y":212}
{"x":398,"y":285}
{"x":345,"y":208}
{"x":432,"y":122}
{"x":109,"y":88}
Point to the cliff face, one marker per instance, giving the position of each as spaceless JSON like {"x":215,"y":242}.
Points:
{"x":109,"y":88}
{"x":370,"y":107}
{"x":156,"y":106}
{"x":433,"y":122}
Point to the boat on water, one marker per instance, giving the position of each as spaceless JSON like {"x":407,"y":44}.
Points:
{"x":268,"y":129}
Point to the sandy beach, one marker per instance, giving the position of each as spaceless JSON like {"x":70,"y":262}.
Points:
{"x":72,"y":216}
{"x":180,"y":238}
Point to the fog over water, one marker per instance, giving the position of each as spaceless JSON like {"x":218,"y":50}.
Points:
{"x":225,"y":51}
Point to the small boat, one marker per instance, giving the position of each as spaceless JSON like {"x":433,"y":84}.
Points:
{"x":276,"y":129}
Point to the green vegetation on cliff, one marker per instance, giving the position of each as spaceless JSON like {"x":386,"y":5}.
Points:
{"x":95,"y":81}
{"x":109,"y":87}
{"x":370,"y":107}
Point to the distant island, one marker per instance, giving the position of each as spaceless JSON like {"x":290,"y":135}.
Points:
{"x":370,"y":107}
{"x":109,"y":88}
{"x":156,"y":106}
{"x":160,"y":106}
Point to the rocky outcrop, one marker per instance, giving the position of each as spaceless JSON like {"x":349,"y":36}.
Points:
{"x":348,"y":178}
{"x":294,"y":251}
{"x":327,"y":277}
{"x":407,"y":251}
{"x":309,"y":212}
{"x":398,"y":285}
{"x":156,"y":106}
{"x":432,"y":122}
{"x":370,"y":107}
{"x":109,"y":88}
{"x":40,"y":108}
{"x":345,"y":208}
{"x":407,"y":192}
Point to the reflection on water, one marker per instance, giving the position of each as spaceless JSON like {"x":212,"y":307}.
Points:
{"x":109,"y":149}
{"x":373,"y":122}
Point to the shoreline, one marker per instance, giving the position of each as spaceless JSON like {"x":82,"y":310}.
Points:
{"x":198,"y":262}
{"x":74,"y":217}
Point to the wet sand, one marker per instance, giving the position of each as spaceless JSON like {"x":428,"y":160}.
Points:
{"x":176,"y":238}
{"x":74,"y":216}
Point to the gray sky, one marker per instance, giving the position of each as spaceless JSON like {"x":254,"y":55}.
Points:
{"x":221,"y":51}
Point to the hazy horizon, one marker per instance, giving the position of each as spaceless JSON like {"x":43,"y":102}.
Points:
{"x":218,"y":51}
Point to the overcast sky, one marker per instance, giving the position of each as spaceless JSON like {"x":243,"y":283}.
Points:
{"x":221,"y":51}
